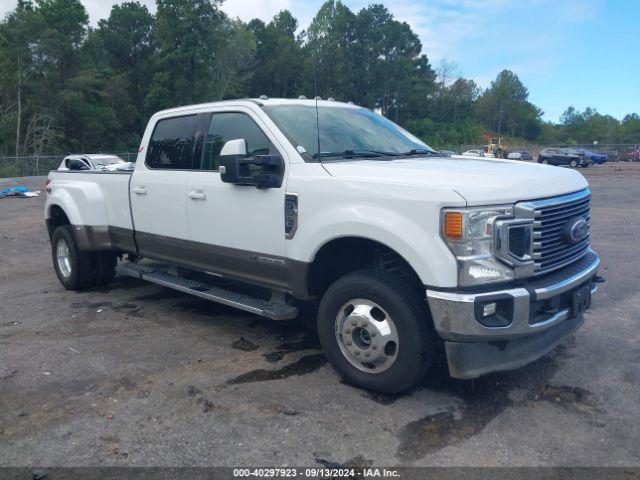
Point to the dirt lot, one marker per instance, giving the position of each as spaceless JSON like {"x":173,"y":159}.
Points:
{"x":137,"y":374}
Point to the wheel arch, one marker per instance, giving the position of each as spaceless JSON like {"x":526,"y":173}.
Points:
{"x":55,"y":217}
{"x":341,"y":255}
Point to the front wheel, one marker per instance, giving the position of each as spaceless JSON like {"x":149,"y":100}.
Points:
{"x":573,"y":163}
{"x":376,"y":332}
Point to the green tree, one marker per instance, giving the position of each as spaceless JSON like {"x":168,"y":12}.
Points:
{"x":187,"y":34}
{"x":233,"y":62}
{"x":65,"y":27}
{"x":328,"y":65}
{"x":119,"y":52}
{"x":18,"y":73}
{"x":505,"y":109}
{"x":630,"y":129}
{"x":278,"y":66}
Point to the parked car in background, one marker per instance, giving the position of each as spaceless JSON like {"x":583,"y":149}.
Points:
{"x":560,"y":156}
{"x":520,"y":155}
{"x":632,"y":155}
{"x":99,"y":162}
{"x":589,"y":155}
{"x":587,"y":162}
{"x":473,"y":153}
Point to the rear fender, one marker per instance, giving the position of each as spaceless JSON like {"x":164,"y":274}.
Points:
{"x":82,"y":202}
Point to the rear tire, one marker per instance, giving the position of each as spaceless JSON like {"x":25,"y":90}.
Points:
{"x":73,"y":266}
{"x":376,"y":331}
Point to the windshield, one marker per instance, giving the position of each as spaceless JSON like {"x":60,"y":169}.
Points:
{"x":345,"y":132}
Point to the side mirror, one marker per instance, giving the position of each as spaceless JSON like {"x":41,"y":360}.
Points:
{"x":76,"y":164}
{"x":262,"y":171}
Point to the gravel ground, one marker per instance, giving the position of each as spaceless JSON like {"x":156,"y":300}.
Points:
{"x":137,"y":374}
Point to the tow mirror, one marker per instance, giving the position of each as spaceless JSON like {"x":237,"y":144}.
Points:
{"x":239,"y":168}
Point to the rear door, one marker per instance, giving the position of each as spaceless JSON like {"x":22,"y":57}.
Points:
{"x":158,"y":190}
{"x":237,"y":230}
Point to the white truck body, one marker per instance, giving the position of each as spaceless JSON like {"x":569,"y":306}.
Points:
{"x":191,"y":218}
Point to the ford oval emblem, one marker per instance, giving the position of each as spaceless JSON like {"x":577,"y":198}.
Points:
{"x":576,"y":230}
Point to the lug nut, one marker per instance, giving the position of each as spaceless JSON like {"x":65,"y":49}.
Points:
{"x":349,"y":344}
{"x":374,"y":347}
{"x":367,"y":354}
{"x":357,"y":353}
{"x":373,"y":334}
{"x":348,"y":330}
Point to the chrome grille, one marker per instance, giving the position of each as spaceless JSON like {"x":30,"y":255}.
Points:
{"x":551,"y":248}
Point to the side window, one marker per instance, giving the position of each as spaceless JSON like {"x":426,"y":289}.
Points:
{"x":231,"y":126}
{"x":171,"y":144}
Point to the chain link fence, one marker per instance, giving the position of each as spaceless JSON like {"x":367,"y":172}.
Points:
{"x":36,"y":165}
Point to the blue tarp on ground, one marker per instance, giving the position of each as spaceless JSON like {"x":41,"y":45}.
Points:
{"x":17,"y":191}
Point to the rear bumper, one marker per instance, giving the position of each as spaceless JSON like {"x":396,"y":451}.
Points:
{"x":530,"y":320}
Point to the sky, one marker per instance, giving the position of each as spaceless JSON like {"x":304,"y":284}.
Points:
{"x":581,"y":53}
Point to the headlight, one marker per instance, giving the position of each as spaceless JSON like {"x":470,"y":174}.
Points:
{"x":469,"y":234}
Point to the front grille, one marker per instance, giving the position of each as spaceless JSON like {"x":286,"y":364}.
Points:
{"x":518,"y":241}
{"x":552,"y":249}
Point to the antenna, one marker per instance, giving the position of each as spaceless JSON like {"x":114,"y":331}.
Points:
{"x":318,"y":130}
{"x":316,"y":97}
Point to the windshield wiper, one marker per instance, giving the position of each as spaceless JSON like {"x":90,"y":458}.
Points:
{"x":356,"y":154}
{"x":421,"y":151}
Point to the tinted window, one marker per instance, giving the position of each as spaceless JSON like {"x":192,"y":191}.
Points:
{"x":171,"y":144}
{"x":231,"y":126}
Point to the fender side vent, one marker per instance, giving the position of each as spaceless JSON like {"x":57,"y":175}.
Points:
{"x":290,"y":215}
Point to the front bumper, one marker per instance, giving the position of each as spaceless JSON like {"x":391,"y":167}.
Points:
{"x":530,"y":319}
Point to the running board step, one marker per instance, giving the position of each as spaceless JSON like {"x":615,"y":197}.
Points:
{"x":159,"y":275}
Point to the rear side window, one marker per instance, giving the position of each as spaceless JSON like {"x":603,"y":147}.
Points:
{"x":232,"y":126}
{"x":171,"y":144}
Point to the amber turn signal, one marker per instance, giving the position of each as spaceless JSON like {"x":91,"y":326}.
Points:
{"x":453,"y":224}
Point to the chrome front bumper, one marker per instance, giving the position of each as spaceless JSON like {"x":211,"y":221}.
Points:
{"x":539,"y":313}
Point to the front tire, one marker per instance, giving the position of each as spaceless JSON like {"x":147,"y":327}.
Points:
{"x":376,"y":332}
{"x":73,"y":266}
{"x":573,"y":163}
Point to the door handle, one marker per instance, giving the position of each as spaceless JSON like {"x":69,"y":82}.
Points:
{"x":139,"y":190}
{"x":197,"y":195}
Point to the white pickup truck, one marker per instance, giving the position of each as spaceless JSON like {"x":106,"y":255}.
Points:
{"x":263,"y":204}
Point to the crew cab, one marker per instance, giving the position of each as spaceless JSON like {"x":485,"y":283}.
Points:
{"x":267,"y":204}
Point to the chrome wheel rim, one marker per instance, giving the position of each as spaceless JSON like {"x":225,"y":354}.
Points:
{"x":367,"y":336}
{"x":63,"y":258}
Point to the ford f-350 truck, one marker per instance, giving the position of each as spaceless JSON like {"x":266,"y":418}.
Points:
{"x":262,"y":204}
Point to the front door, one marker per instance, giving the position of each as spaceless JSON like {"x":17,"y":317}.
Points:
{"x":236,"y":230}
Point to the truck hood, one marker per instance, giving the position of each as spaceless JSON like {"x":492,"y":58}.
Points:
{"x":481,"y":181}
